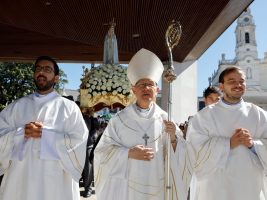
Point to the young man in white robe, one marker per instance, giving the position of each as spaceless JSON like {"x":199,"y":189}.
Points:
{"x":211,"y":95}
{"x":131,"y":155}
{"x":228,"y":141}
{"x":42,"y":142}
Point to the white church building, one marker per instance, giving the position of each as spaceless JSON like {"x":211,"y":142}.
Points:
{"x":246,"y":58}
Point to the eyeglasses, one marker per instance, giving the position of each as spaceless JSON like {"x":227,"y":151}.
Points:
{"x":144,"y":85}
{"x":45,"y":69}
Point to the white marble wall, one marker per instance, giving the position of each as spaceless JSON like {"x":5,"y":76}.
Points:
{"x":184,"y":91}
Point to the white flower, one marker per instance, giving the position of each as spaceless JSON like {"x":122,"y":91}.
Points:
{"x":103,"y":87}
{"x":119,"y":89}
{"x":90,"y":96}
{"x":114,"y":92}
{"x":108,"y":78}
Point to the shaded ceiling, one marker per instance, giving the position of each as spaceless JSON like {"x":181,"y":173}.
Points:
{"x":74,"y":30}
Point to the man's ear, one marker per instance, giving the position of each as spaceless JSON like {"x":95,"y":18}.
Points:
{"x":221,"y":86}
{"x":134,"y":89}
{"x":57,"y":78}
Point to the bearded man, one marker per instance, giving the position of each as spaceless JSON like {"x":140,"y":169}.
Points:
{"x":42,"y":141}
{"x":229,"y":144}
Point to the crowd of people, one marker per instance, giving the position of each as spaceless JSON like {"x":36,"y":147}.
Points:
{"x":50,"y":147}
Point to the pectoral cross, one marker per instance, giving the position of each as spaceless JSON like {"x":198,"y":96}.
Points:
{"x":145,"y":137}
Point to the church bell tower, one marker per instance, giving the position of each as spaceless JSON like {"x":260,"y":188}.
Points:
{"x":246,"y":46}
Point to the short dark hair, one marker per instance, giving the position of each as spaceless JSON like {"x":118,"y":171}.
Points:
{"x":228,"y":71}
{"x":56,"y":68}
{"x":211,"y":89}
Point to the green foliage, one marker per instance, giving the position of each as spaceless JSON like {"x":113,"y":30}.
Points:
{"x":16,"y":81}
{"x":62,"y":81}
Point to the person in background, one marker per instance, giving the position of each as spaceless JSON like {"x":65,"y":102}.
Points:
{"x":183,"y":127}
{"x":1,"y":178}
{"x":42,"y":141}
{"x":130,"y":158}
{"x":228,"y":141}
{"x":211,"y":95}
{"x":100,"y":131}
{"x":87,"y":174}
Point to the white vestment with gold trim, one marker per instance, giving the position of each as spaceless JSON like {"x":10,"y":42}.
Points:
{"x":119,"y":178}
{"x":46,"y":168}
{"x":223,"y":173}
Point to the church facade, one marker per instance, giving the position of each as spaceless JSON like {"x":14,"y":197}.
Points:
{"x":246,"y":58}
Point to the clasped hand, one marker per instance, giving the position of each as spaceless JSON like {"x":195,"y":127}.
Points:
{"x":241,"y":136}
{"x":140,"y":152}
{"x":33,"y":130}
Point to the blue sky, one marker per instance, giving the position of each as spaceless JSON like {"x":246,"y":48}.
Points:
{"x":208,"y":62}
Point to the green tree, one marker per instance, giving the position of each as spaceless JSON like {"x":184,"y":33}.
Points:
{"x":16,"y":80}
{"x":62,"y":81}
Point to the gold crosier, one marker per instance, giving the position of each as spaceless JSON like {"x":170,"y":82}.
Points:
{"x":172,"y":37}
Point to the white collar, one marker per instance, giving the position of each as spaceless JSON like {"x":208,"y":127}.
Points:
{"x":44,"y":97}
{"x":144,"y":113}
{"x":231,"y":106}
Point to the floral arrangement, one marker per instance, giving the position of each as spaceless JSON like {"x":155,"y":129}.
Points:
{"x":107,"y":79}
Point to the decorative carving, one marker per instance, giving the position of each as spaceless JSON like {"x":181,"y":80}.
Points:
{"x":108,"y":99}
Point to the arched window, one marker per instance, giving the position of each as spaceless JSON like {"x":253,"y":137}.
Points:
{"x":247,"y":37}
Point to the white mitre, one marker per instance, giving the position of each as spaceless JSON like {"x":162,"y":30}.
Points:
{"x":144,"y":64}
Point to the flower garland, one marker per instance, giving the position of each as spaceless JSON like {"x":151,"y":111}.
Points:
{"x":108,"y":79}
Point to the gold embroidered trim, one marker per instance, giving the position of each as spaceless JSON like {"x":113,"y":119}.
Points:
{"x":69,"y":146}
